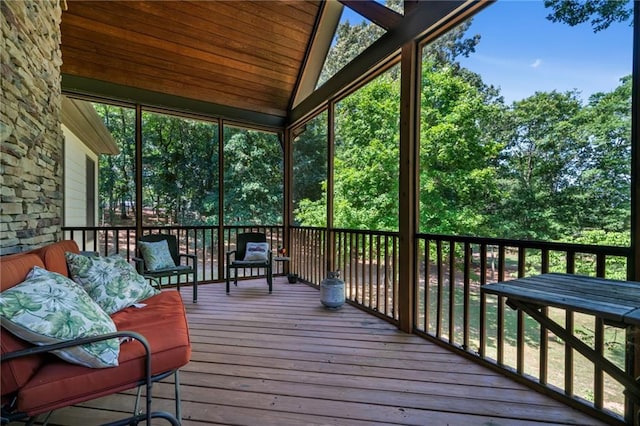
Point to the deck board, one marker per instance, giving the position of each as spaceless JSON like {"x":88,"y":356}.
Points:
{"x":282,"y":359}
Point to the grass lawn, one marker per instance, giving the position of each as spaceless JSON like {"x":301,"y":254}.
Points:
{"x":584,"y":326}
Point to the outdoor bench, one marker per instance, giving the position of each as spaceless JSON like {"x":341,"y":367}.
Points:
{"x":156,"y":344}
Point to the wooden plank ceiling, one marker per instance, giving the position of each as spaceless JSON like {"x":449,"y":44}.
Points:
{"x":240,"y":54}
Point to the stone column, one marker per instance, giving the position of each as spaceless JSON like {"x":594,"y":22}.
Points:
{"x":31,"y":139}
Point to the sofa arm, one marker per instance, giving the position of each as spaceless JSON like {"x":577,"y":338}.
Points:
{"x":84,"y":340}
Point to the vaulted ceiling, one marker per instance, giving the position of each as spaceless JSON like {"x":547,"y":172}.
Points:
{"x":244,"y":55}
{"x":247,"y":61}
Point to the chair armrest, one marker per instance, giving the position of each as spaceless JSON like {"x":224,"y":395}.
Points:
{"x":229,"y":253}
{"x":139,"y":264}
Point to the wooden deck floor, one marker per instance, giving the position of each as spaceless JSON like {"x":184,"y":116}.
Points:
{"x":282,"y":359}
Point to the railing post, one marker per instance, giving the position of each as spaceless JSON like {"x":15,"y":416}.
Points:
{"x":138,"y":173}
{"x":407,"y":215}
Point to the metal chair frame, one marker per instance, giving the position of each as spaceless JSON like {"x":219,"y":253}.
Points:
{"x":239,"y":253}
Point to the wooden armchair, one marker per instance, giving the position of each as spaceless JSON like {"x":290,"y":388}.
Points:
{"x":241,"y":260}
{"x":174,"y":271}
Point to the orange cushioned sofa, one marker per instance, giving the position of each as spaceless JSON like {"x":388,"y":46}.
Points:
{"x":35,"y":382}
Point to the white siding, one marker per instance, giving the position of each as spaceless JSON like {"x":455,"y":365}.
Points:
{"x":75,"y":182}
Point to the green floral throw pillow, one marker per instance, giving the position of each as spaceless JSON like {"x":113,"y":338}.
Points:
{"x":156,"y":255}
{"x":110,"y":281}
{"x":49,"y":308}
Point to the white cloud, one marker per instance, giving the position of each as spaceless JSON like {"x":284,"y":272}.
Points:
{"x":536,"y":63}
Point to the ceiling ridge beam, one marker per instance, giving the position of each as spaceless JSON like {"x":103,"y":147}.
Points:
{"x":375,"y":12}
{"x":428,"y":18}
{"x":317,"y":50}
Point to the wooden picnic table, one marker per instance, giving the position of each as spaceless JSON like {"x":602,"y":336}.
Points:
{"x":615,"y":302}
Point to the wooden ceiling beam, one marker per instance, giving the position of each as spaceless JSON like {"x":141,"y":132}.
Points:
{"x":72,"y":84}
{"x":316,"y":54}
{"x":375,"y":12}
{"x":428,"y":18}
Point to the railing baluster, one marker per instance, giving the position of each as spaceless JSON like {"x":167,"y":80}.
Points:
{"x":568,"y":356}
{"x":501,"y":303}
{"x":394,"y":277}
{"x":378,"y":273}
{"x":520,"y":316}
{"x":468,"y":253}
{"x":598,"y":375}
{"x":601,"y":264}
{"x":387,"y":282}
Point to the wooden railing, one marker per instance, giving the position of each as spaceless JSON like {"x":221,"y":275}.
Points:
{"x":367,"y":261}
{"x":448,"y":305}
{"x":450,"y":308}
{"x":206,"y":242}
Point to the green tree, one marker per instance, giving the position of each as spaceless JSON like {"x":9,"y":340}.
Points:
{"x":366,"y":161}
{"x":310,"y":172}
{"x":252,"y":178}
{"x":367,"y":156}
{"x":605,"y":179}
{"x":600,"y":13}
{"x":458,"y":153}
{"x":539,"y":165}
{"x":180,"y":167}
{"x":116,"y":177}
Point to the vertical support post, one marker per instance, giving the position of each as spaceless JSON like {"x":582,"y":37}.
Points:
{"x":331,"y":150}
{"x":634,"y":264}
{"x":221,"y":248}
{"x":407,"y":215}
{"x":138,"y":173}
{"x":632,"y":413}
{"x":286,"y":141}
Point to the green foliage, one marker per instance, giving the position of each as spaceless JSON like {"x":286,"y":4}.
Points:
{"x":180,"y":167}
{"x":367,"y":156}
{"x":539,"y":165}
{"x":458,"y":155}
{"x":180,"y":170}
{"x":547,"y":167}
{"x":310,"y":173}
{"x":601,"y":13}
{"x":253,"y":176}
{"x":116,"y":183}
{"x":605,"y":179}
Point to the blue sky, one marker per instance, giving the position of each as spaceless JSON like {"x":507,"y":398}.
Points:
{"x":522,"y":52}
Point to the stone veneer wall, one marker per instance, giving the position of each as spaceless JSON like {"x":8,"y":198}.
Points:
{"x":31,"y":139}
